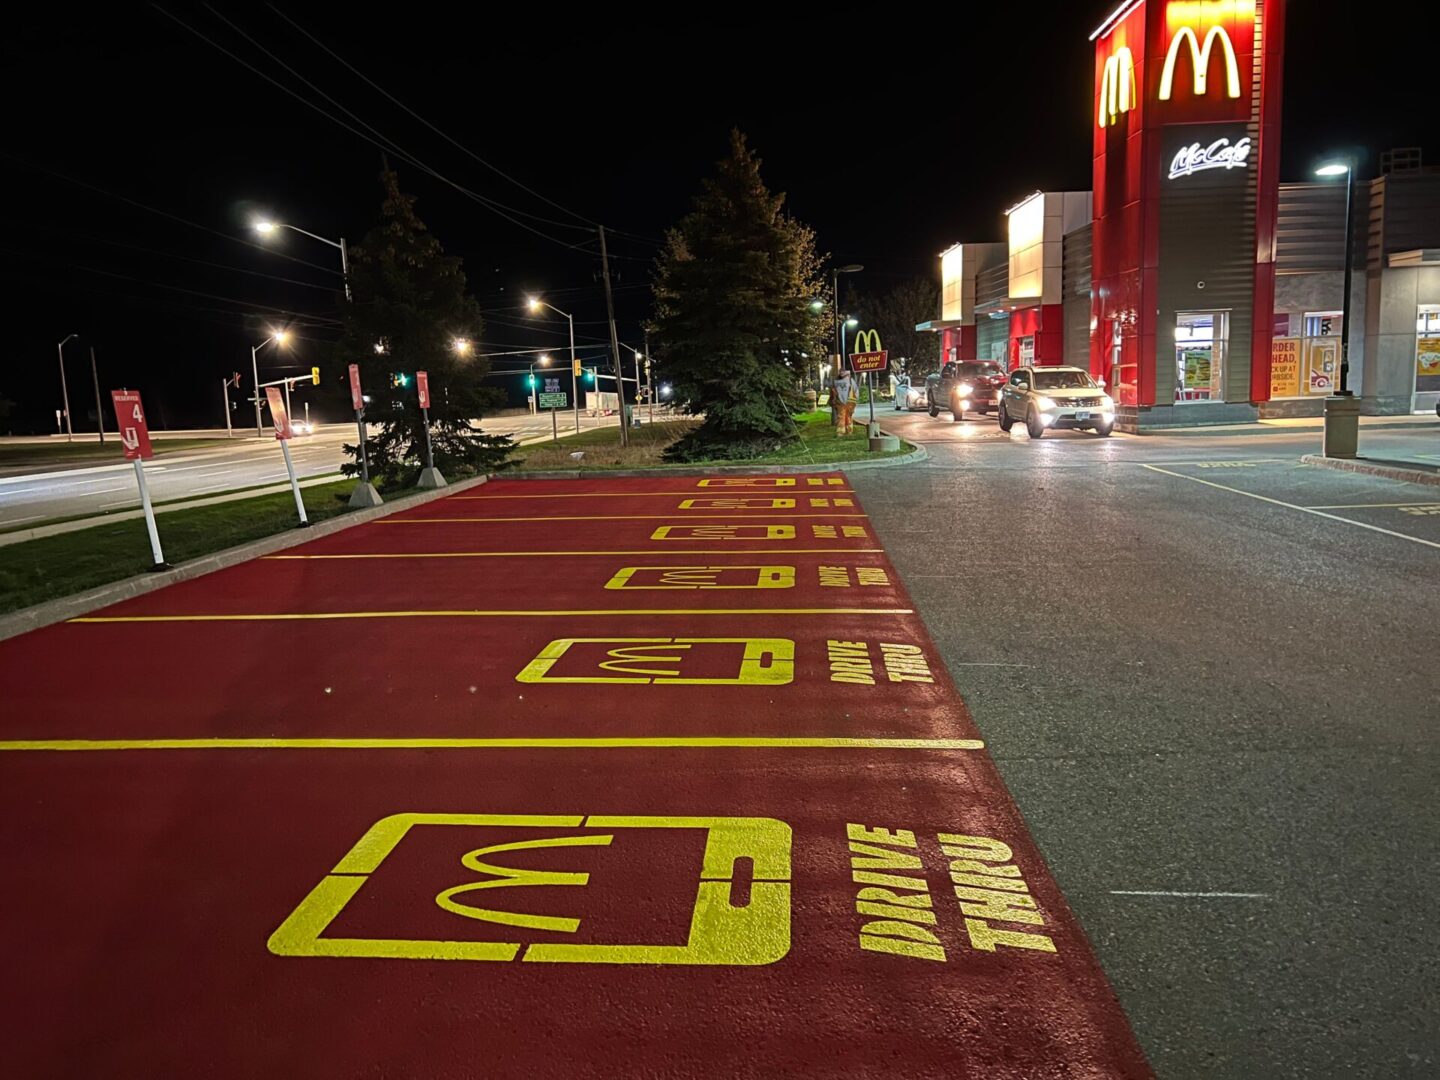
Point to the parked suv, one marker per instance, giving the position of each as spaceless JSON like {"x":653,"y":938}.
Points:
{"x":967,"y":384}
{"x":1055,"y":397}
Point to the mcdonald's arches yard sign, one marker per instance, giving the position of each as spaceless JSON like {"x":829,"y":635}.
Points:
{"x":868,"y":355}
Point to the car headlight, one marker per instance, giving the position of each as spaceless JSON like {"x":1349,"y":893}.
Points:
{"x":964,"y":389}
{"x":1044,"y":402}
{"x":1107,"y":403}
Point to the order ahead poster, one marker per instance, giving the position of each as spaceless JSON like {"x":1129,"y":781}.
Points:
{"x":1285,"y":367}
{"x":1427,"y":364}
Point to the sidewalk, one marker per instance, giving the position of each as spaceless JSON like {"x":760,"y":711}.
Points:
{"x":1291,"y":425}
{"x":1414,"y":468}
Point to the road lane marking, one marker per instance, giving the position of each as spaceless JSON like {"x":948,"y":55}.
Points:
{"x":1205,"y":895}
{"x":540,"y":554}
{"x":793,"y":742}
{"x":590,"y":495}
{"x":603,"y":517}
{"x":1293,"y":506}
{"x":1372,"y":506}
{"x":296,"y":616}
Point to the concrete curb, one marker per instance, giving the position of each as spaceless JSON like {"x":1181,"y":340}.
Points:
{"x":917,"y":455}
{"x":1360,"y":465}
{"x":1217,"y":430}
{"x":69,"y":607}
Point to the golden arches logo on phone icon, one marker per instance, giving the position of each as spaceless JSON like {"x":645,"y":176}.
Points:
{"x":703,"y":577}
{"x":721,"y":932}
{"x":664,"y":661}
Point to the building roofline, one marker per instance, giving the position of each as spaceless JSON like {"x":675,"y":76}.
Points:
{"x":1115,"y":18}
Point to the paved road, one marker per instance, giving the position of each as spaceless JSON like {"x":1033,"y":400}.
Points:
{"x":1209,"y":677}
{"x":652,"y":777}
{"x":47,"y":491}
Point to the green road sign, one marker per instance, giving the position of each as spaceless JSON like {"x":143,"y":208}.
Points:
{"x":554,"y":401}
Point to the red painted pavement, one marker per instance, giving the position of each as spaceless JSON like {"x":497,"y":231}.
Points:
{"x":157,"y":920}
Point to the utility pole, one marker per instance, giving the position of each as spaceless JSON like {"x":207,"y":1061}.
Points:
{"x":614,"y":339}
{"x":65,"y":390}
{"x":99,"y":414}
{"x":649,"y":382}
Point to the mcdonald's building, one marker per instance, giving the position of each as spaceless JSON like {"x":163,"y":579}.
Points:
{"x":1201,"y":288}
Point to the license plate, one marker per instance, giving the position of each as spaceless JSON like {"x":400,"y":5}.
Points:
{"x":1082,"y":414}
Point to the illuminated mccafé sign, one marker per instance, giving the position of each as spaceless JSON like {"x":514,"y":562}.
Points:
{"x":1220,"y":154}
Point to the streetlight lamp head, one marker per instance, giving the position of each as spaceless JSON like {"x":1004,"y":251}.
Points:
{"x":265,"y":227}
{"x":533,"y":303}
{"x":461,"y":346}
{"x":849,"y":268}
{"x":852,"y":322}
{"x":544,"y":360}
{"x":817,"y":305}
{"x":282,"y":336}
{"x":1334,"y":168}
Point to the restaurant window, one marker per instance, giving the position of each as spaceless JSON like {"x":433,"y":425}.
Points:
{"x":1201,"y":343}
{"x":1427,"y":349}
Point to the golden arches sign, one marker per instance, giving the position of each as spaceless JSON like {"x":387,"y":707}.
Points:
{"x":1200,"y":61}
{"x":867,"y":341}
{"x":868,"y":354}
{"x":1117,"y":86}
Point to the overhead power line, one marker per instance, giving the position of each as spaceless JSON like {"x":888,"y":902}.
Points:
{"x":382,"y":142}
{"x":163,"y":213}
{"x":450,"y":139}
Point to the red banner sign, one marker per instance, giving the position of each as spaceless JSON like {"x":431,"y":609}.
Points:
{"x":357,"y":399}
{"x":422,"y":384}
{"x":870,"y":361}
{"x":279,"y":415}
{"x":134,"y":432}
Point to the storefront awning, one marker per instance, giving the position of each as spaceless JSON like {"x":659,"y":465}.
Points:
{"x":934,"y":326}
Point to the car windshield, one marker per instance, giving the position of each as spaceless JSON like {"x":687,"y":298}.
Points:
{"x":1063,"y":380}
{"x":975,"y":371}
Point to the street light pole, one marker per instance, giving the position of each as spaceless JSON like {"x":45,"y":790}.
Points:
{"x":265,"y":228}
{"x":1341,"y":436}
{"x":255,"y":384}
{"x":535,"y":304}
{"x":277,"y":336}
{"x":99,"y":414}
{"x":65,"y":390}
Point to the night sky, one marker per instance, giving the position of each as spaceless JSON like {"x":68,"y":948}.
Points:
{"x":893,"y":136}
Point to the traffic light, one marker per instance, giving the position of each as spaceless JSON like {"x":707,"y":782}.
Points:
{"x":530,"y":381}
{"x":578,"y":368}
{"x":590,"y":376}
{"x":315,"y":375}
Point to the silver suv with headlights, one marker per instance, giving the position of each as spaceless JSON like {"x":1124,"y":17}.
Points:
{"x":1043,"y":398}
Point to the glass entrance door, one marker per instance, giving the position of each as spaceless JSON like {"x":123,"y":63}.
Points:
{"x":1201,"y":338}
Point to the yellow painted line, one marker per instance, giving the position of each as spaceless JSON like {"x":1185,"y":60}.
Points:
{"x":679,"y":517}
{"x":639,"y":494}
{"x":1370,"y":506}
{"x":665,"y":742}
{"x":685,"y":554}
{"x":299,"y":616}
{"x":1302,"y":509}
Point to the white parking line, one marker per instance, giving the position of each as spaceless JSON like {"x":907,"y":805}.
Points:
{"x":1202,"y":895}
{"x":1302,"y":509}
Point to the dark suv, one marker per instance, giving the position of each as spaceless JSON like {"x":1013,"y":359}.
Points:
{"x":968,"y":384}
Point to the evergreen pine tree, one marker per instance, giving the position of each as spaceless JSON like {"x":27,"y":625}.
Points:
{"x":733,"y":292}
{"x":409,"y":311}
